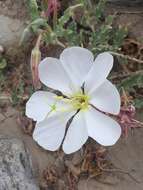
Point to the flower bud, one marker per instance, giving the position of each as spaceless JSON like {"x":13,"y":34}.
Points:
{"x":53,"y":6}
{"x":35,"y":60}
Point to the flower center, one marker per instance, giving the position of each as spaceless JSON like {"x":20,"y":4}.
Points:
{"x":80,"y":101}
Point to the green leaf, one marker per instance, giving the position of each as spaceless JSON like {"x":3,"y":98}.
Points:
{"x":33,"y":9}
{"x":138,"y":103}
{"x":132,"y":81}
{"x":38,"y":23}
{"x":100,"y":9}
{"x":3,"y":63}
{"x":119,"y":36}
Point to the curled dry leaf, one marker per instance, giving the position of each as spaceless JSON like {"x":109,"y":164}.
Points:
{"x":92,"y":159}
{"x":52,"y":179}
{"x":50,"y":175}
{"x":75,"y":170}
{"x":72,"y":181}
{"x":130,"y":47}
{"x":89,"y":165}
{"x":133,"y":48}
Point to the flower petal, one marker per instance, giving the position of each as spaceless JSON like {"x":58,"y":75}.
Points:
{"x":76,"y":135}
{"x":49,"y":133}
{"x":102,"y":128}
{"x":99,"y":71}
{"x":106,"y":98}
{"x":39,"y":105}
{"x":53,"y":75}
{"x":77,"y":62}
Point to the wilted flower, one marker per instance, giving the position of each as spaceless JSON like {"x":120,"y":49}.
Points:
{"x":87,"y":95}
{"x":127,"y":120}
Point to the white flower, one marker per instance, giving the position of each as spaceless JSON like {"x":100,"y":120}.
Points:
{"x":87,"y":95}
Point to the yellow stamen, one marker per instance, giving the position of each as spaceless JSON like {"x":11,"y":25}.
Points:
{"x":80,"y":101}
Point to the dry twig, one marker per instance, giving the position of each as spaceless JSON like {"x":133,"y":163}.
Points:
{"x":126,"y":57}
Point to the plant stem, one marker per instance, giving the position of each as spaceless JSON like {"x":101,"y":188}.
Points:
{"x":127,"y":74}
{"x":126,"y":57}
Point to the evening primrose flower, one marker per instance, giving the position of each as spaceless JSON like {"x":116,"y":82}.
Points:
{"x":87,"y":97}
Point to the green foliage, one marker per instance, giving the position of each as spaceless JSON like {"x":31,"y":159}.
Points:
{"x":83,"y":24}
{"x":2,"y":80}
{"x":33,"y":27}
{"x":134,"y":84}
{"x":17,"y":93}
{"x":99,"y":9}
{"x":33,"y":9}
{"x":138,"y":103}
{"x":3,"y":64}
{"x":118,"y":37}
{"x":134,"y":80}
{"x":91,"y":29}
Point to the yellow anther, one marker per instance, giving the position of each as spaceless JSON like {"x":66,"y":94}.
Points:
{"x":59,"y":97}
{"x":80,"y":101}
{"x":76,"y":102}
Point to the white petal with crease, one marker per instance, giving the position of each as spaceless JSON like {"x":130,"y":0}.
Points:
{"x":77,"y":134}
{"x":77,"y":62}
{"x":106,"y":98}
{"x":53,"y":75}
{"x":49,"y":133}
{"x":38,"y":105}
{"x":102,"y":128}
{"x":99,"y":72}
